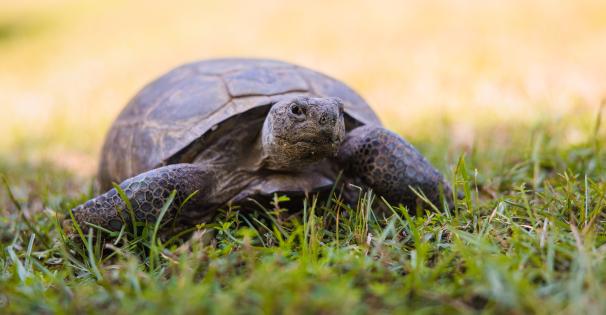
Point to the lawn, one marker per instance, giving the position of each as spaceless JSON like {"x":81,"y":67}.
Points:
{"x":508,"y":105}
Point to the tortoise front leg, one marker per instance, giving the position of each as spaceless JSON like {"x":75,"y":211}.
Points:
{"x":147,"y":193}
{"x":389,"y":165}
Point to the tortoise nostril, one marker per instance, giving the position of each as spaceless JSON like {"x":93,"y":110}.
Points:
{"x":325,"y":118}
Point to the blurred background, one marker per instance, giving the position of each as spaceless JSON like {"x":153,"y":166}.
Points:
{"x":68,"y":67}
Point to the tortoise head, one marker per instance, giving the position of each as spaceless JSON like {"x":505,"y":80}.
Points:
{"x":301,"y":130}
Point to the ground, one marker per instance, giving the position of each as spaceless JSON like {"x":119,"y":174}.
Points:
{"x":503,"y":97}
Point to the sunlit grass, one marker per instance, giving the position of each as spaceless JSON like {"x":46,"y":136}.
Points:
{"x":527,"y":238}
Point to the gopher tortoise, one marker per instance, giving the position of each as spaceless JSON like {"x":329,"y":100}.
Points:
{"x":226,"y":130}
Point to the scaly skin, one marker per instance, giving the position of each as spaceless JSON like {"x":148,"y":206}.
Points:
{"x":147,"y":193}
{"x":390,"y":166}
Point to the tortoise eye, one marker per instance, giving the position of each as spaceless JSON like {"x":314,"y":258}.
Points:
{"x":296,"y":109}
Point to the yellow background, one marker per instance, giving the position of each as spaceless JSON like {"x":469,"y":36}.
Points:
{"x":68,"y":67}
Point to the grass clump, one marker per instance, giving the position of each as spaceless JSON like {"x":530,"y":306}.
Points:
{"x":528,"y":237}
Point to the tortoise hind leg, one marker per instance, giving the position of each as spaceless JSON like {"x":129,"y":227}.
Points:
{"x":389,"y":165}
{"x":147,"y":193}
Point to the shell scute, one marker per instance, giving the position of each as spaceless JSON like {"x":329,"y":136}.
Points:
{"x":189,"y":98}
{"x":264,"y":81}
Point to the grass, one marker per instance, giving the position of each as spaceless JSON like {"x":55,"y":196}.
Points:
{"x":528,"y":237}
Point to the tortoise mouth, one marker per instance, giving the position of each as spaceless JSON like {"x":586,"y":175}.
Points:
{"x":310,"y":140}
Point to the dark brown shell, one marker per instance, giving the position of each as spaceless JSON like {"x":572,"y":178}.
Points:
{"x":179,"y":107}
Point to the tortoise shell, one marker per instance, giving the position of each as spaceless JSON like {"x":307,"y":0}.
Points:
{"x":185,"y":104}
